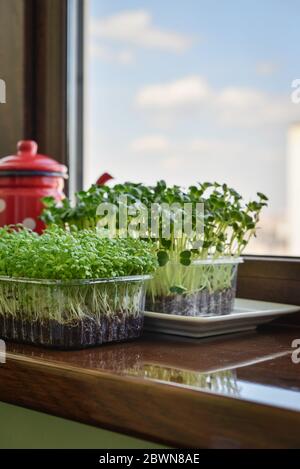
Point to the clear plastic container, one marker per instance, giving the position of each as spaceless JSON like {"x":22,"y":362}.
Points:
{"x":204,"y":288}
{"x":71,"y":314}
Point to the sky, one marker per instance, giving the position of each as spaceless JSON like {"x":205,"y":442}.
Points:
{"x":192,"y":90}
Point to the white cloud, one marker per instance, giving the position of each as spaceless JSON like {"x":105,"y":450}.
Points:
{"x":246,"y":107}
{"x":230,"y":106}
{"x":267,"y":68}
{"x":173,"y":164}
{"x":135,"y":27}
{"x":103,"y":52}
{"x":150,"y":144}
{"x":184,"y":93}
{"x":241,"y":98}
{"x":214,"y":147}
{"x":173,"y":149}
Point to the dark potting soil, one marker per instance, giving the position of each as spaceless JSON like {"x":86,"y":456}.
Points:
{"x":202,"y":303}
{"x":85,"y":333}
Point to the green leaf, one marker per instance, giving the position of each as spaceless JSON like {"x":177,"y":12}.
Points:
{"x":166,"y":243}
{"x":49,"y":202}
{"x":185,"y":261}
{"x":163,"y":258}
{"x":178,"y":289}
{"x":185,"y":254}
{"x":262,"y":196}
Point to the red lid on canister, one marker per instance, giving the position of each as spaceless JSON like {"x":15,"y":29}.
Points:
{"x":28,"y":162}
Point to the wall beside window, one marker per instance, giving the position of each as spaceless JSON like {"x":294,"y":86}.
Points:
{"x":33,"y":64}
{"x":13,"y":72}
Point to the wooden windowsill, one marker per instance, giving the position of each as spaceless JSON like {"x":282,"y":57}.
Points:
{"x":234,"y":391}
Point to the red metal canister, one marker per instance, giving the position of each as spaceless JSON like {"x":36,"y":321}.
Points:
{"x":24,"y":179}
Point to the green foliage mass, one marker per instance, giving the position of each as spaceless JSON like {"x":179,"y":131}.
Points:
{"x":229,"y":221}
{"x":71,"y":254}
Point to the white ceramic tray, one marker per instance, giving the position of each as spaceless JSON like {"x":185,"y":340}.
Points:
{"x":247,"y":315}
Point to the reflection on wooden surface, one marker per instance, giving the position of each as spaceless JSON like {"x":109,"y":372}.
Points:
{"x":178,"y":391}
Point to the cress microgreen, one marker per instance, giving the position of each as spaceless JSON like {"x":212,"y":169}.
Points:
{"x":65,"y":265}
{"x":75,"y":254}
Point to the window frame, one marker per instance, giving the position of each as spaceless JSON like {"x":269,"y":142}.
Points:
{"x":15,"y":56}
{"x":76,"y":16}
{"x":45,"y":55}
{"x":271,"y":278}
{"x":34,"y":57}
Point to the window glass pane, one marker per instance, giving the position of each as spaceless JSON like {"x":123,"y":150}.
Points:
{"x":198,"y":90}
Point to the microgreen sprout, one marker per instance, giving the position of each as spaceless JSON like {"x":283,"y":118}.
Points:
{"x":76,"y":254}
{"x":54,"y":276}
{"x":229,"y":222}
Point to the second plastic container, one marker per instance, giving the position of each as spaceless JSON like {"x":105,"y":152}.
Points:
{"x":204,"y":288}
